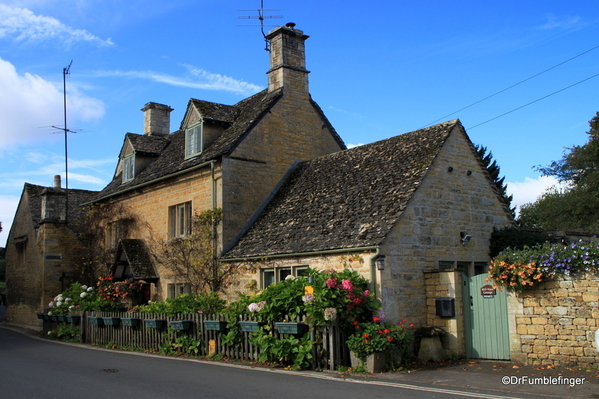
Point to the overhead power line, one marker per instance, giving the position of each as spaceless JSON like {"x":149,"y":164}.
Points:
{"x":516,"y":84}
{"x":535,"y":101}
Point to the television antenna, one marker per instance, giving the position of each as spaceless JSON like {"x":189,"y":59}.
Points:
{"x":261,"y":17}
{"x":65,"y":73}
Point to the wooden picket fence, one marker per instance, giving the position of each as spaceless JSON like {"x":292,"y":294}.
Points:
{"x":329,"y":351}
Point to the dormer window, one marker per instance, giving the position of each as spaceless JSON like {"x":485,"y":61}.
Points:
{"x":129,"y":167}
{"x":193,"y":140}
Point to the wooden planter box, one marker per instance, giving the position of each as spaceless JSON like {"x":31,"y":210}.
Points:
{"x":215,"y":325}
{"x":129,"y":322}
{"x":111,"y":321}
{"x":96,"y":320}
{"x":291,"y":328}
{"x":250,"y":326}
{"x":180,"y":324}
{"x":154,"y":323}
{"x":73,"y":319}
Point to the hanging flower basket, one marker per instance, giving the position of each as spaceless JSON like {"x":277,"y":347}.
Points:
{"x":61,"y":317}
{"x":180,"y":324}
{"x":250,"y":326}
{"x":130,"y":322}
{"x":291,"y":328}
{"x":215,"y":325}
{"x":111,"y":321}
{"x":96,"y":320}
{"x":53,"y":318}
{"x":154,"y":323}
{"x":73,"y":319}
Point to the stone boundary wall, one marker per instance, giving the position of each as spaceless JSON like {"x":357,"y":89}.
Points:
{"x":446,"y":284}
{"x":555,"y":323}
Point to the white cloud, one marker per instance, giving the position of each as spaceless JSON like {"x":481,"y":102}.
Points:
{"x":197,"y":79}
{"x":25,"y":26}
{"x":530,"y":189}
{"x":559,"y":22}
{"x":29,"y":102}
{"x":349,"y":145}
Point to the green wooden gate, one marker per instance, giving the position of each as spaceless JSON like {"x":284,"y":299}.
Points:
{"x":485,"y":319}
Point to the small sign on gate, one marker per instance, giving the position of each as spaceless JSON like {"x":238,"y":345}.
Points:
{"x":487,"y":291}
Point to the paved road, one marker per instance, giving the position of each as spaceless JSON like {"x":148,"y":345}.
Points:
{"x":33,"y":368}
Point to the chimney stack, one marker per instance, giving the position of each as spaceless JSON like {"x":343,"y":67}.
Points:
{"x":157,"y":119}
{"x":288,"y":60}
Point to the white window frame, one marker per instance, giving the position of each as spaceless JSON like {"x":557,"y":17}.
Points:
{"x":129,"y":167}
{"x":274,"y":275}
{"x":471,"y":268}
{"x":193,"y":140}
{"x":179,"y":218}
{"x":176,"y":289}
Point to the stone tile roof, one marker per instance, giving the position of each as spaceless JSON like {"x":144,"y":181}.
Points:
{"x":139,"y":259}
{"x":215,"y":111}
{"x":348,"y":199}
{"x":76,"y":198}
{"x":148,"y":144}
{"x":243,"y":116}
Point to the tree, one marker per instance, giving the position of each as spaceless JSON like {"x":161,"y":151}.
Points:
{"x":575,"y":207}
{"x":192,"y":259}
{"x":493,"y":169}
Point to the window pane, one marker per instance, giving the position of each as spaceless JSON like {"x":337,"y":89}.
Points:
{"x":283,"y":273}
{"x":301,"y":271}
{"x":268,"y":277}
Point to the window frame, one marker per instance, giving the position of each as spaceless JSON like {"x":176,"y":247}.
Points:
{"x":176,"y":289}
{"x":193,"y":140}
{"x":278,"y":274}
{"x":179,"y":220}
{"x":128,"y":167}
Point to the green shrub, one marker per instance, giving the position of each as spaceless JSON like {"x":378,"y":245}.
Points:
{"x":185,"y":304}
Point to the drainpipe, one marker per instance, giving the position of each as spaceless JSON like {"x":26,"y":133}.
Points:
{"x":373,"y":270}
{"x":213,"y":225}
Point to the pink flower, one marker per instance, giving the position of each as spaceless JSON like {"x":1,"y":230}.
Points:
{"x":347,"y":285}
{"x":331,"y":283}
{"x":366,"y":293}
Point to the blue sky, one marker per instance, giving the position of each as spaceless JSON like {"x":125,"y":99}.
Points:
{"x":379,"y":69}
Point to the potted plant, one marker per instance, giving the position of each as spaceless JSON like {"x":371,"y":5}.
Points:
{"x":373,"y":342}
{"x":215,"y":325}
{"x":180,"y":324}
{"x":154,"y":323}
{"x":130,"y":321}
{"x":111,"y":321}
{"x":286,"y":327}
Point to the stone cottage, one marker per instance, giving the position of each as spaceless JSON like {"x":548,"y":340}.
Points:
{"x":227,"y":157}
{"x":41,"y":249}
{"x":393,"y":210}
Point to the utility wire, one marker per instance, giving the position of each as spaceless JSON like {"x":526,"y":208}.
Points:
{"x":535,"y":101}
{"x":512,"y":86}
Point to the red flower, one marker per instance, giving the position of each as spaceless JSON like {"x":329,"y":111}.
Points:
{"x":386,"y":331}
{"x":366,"y":340}
{"x":376,"y":319}
{"x":411,"y":325}
{"x":380,"y":331}
{"x":365,"y":335}
{"x":390,"y":339}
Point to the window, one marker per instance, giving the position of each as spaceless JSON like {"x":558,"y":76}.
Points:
{"x":129,"y":167}
{"x":180,"y":220}
{"x":174,"y":290}
{"x":193,"y":140}
{"x":274,"y":275}
{"x":470,"y":268}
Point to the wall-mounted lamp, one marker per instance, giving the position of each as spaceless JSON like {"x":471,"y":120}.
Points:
{"x":380,"y":262}
{"x":468,"y":172}
{"x":465,"y":237}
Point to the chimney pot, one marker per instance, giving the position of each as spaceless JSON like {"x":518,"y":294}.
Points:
{"x":290,"y":25}
{"x":57,"y":181}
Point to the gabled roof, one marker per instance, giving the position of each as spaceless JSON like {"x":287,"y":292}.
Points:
{"x":147,"y":144}
{"x":139,"y":259}
{"x":348,"y":199}
{"x":214,"y":111}
{"x":172,"y":157}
